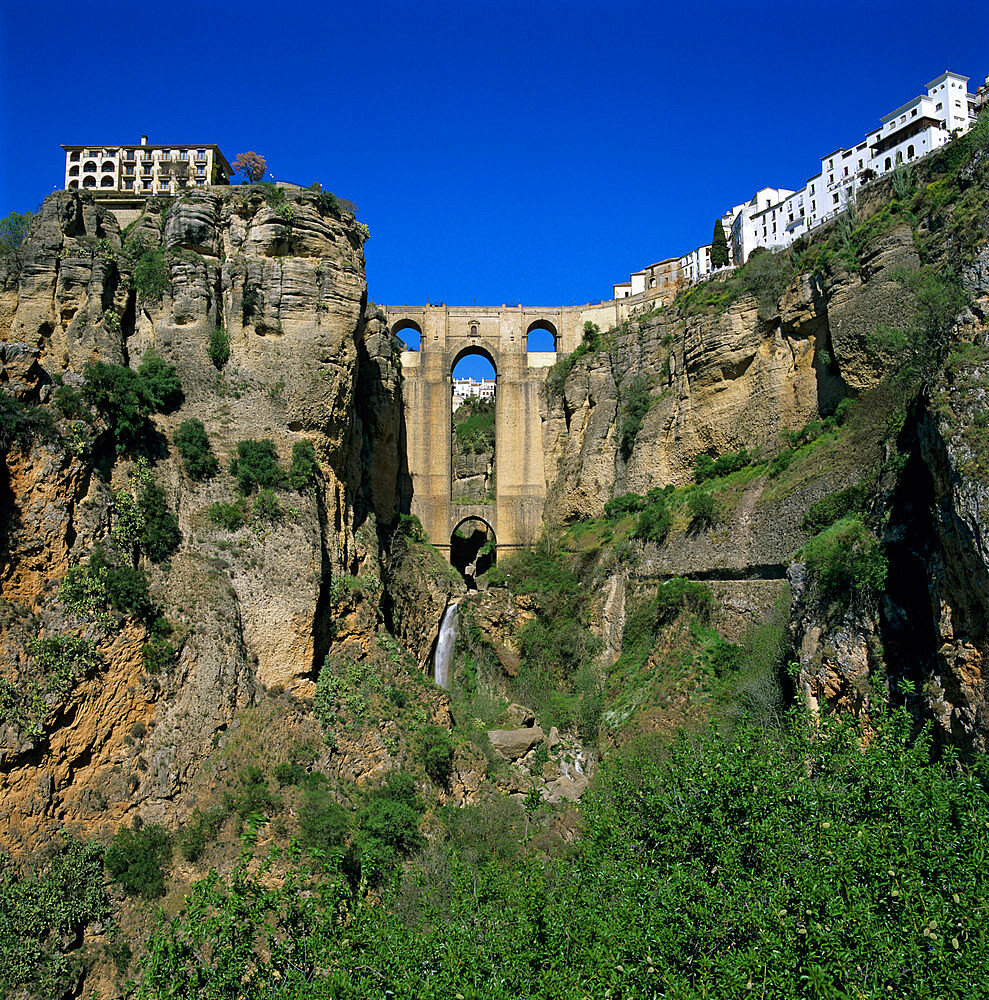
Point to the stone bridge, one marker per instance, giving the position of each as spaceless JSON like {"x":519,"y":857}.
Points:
{"x":448,"y":334}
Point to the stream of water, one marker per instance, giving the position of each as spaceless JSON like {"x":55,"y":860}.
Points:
{"x":444,"y":647}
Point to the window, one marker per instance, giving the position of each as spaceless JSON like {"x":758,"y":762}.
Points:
{"x":129,"y":170}
{"x":73,"y":171}
{"x":200,"y":154}
{"x":791,"y":217}
{"x":89,"y":165}
{"x":887,"y":164}
{"x":146,"y":185}
{"x":910,"y":152}
{"x":129,"y":154}
{"x":184,"y":154}
{"x":200,"y":184}
{"x":129,"y":185}
{"x":913,"y":114}
{"x":860,"y":165}
{"x":200,"y":169}
{"x":74,"y":157}
{"x":834,"y":198}
{"x":812,"y":189}
{"x":146,"y":155}
{"x":831,"y":178}
{"x":846,"y":171}
{"x":813,"y":206}
{"x":166,"y":154}
{"x":830,"y":164}
{"x":940,"y":107}
{"x":73,"y":184}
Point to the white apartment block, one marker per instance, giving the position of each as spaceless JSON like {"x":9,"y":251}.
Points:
{"x":464,"y":387}
{"x":775,"y":217}
{"x":144,"y":169}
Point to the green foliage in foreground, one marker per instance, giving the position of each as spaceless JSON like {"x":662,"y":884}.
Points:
{"x":808,"y":863}
{"x":43,"y":912}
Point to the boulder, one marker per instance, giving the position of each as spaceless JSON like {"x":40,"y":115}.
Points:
{"x":515,"y":743}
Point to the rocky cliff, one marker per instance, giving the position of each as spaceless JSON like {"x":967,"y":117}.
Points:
{"x":259,"y":301}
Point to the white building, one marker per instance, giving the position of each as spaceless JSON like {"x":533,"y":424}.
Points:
{"x":144,"y":169}
{"x":484,"y":388}
{"x":775,"y":217}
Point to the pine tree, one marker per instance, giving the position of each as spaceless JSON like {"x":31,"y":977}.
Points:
{"x":719,"y":246}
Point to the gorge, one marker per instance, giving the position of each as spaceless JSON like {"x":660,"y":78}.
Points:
{"x":734,"y":597}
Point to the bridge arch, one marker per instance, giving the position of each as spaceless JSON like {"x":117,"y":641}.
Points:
{"x":473,"y":548}
{"x":480,"y":350}
{"x":537,"y":343}
{"x":407,"y":324}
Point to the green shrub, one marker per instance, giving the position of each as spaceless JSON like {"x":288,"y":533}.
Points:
{"x":323,"y":822}
{"x":15,"y":228}
{"x":70,"y":402}
{"x":435,"y":750}
{"x":199,"y":831}
{"x":824,"y":512}
{"x":474,"y":426}
{"x":704,"y":509}
{"x":161,"y":381}
{"x":653,"y":522}
{"x":127,"y":399}
{"x":101,"y":583}
{"x":256,"y":466}
{"x":229,"y":516}
{"x":634,"y":407}
{"x":160,"y":535}
{"x":846,"y":559}
{"x":627,"y":503}
{"x":266,"y":507}
{"x":21,"y":422}
{"x":194,"y":448}
{"x":139,"y":860}
{"x":304,"y":468}
{"x":219,"y":347}
{"x":706,"y":467}
{"x":157,"y":655}
{"x":680,"y":594}
{"x":152,"y":276}
{"x":251,"y":795}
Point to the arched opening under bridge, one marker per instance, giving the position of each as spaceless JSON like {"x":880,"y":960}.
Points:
{"x":473,"y":549}
{"x":472,"y":437}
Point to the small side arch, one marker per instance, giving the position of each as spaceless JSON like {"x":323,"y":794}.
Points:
{"x":408,"y":324}
{"x":107,"y":182}
{"x":89,"y":182}
{"x":536,"y":339}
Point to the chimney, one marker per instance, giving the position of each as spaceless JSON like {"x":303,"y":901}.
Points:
{"x":144,"y":140}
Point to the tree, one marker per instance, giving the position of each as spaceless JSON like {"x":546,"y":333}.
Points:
{"x":719,"y":246}
{"x":252,"y":165}
{"x":14,"y":230}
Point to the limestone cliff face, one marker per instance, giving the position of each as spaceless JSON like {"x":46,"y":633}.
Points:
{"x":727,"y":377}
{"x":308,"y":360}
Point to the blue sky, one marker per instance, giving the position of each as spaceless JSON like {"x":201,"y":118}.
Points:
{"x":499,"y":152}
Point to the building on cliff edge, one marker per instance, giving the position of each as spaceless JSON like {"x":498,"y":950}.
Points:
{"x":144,"y":169}
{"x":774,"y":217}
{"x":483,"y":388}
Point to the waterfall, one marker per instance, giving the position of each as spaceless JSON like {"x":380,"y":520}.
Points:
{"x":444,"y":646}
